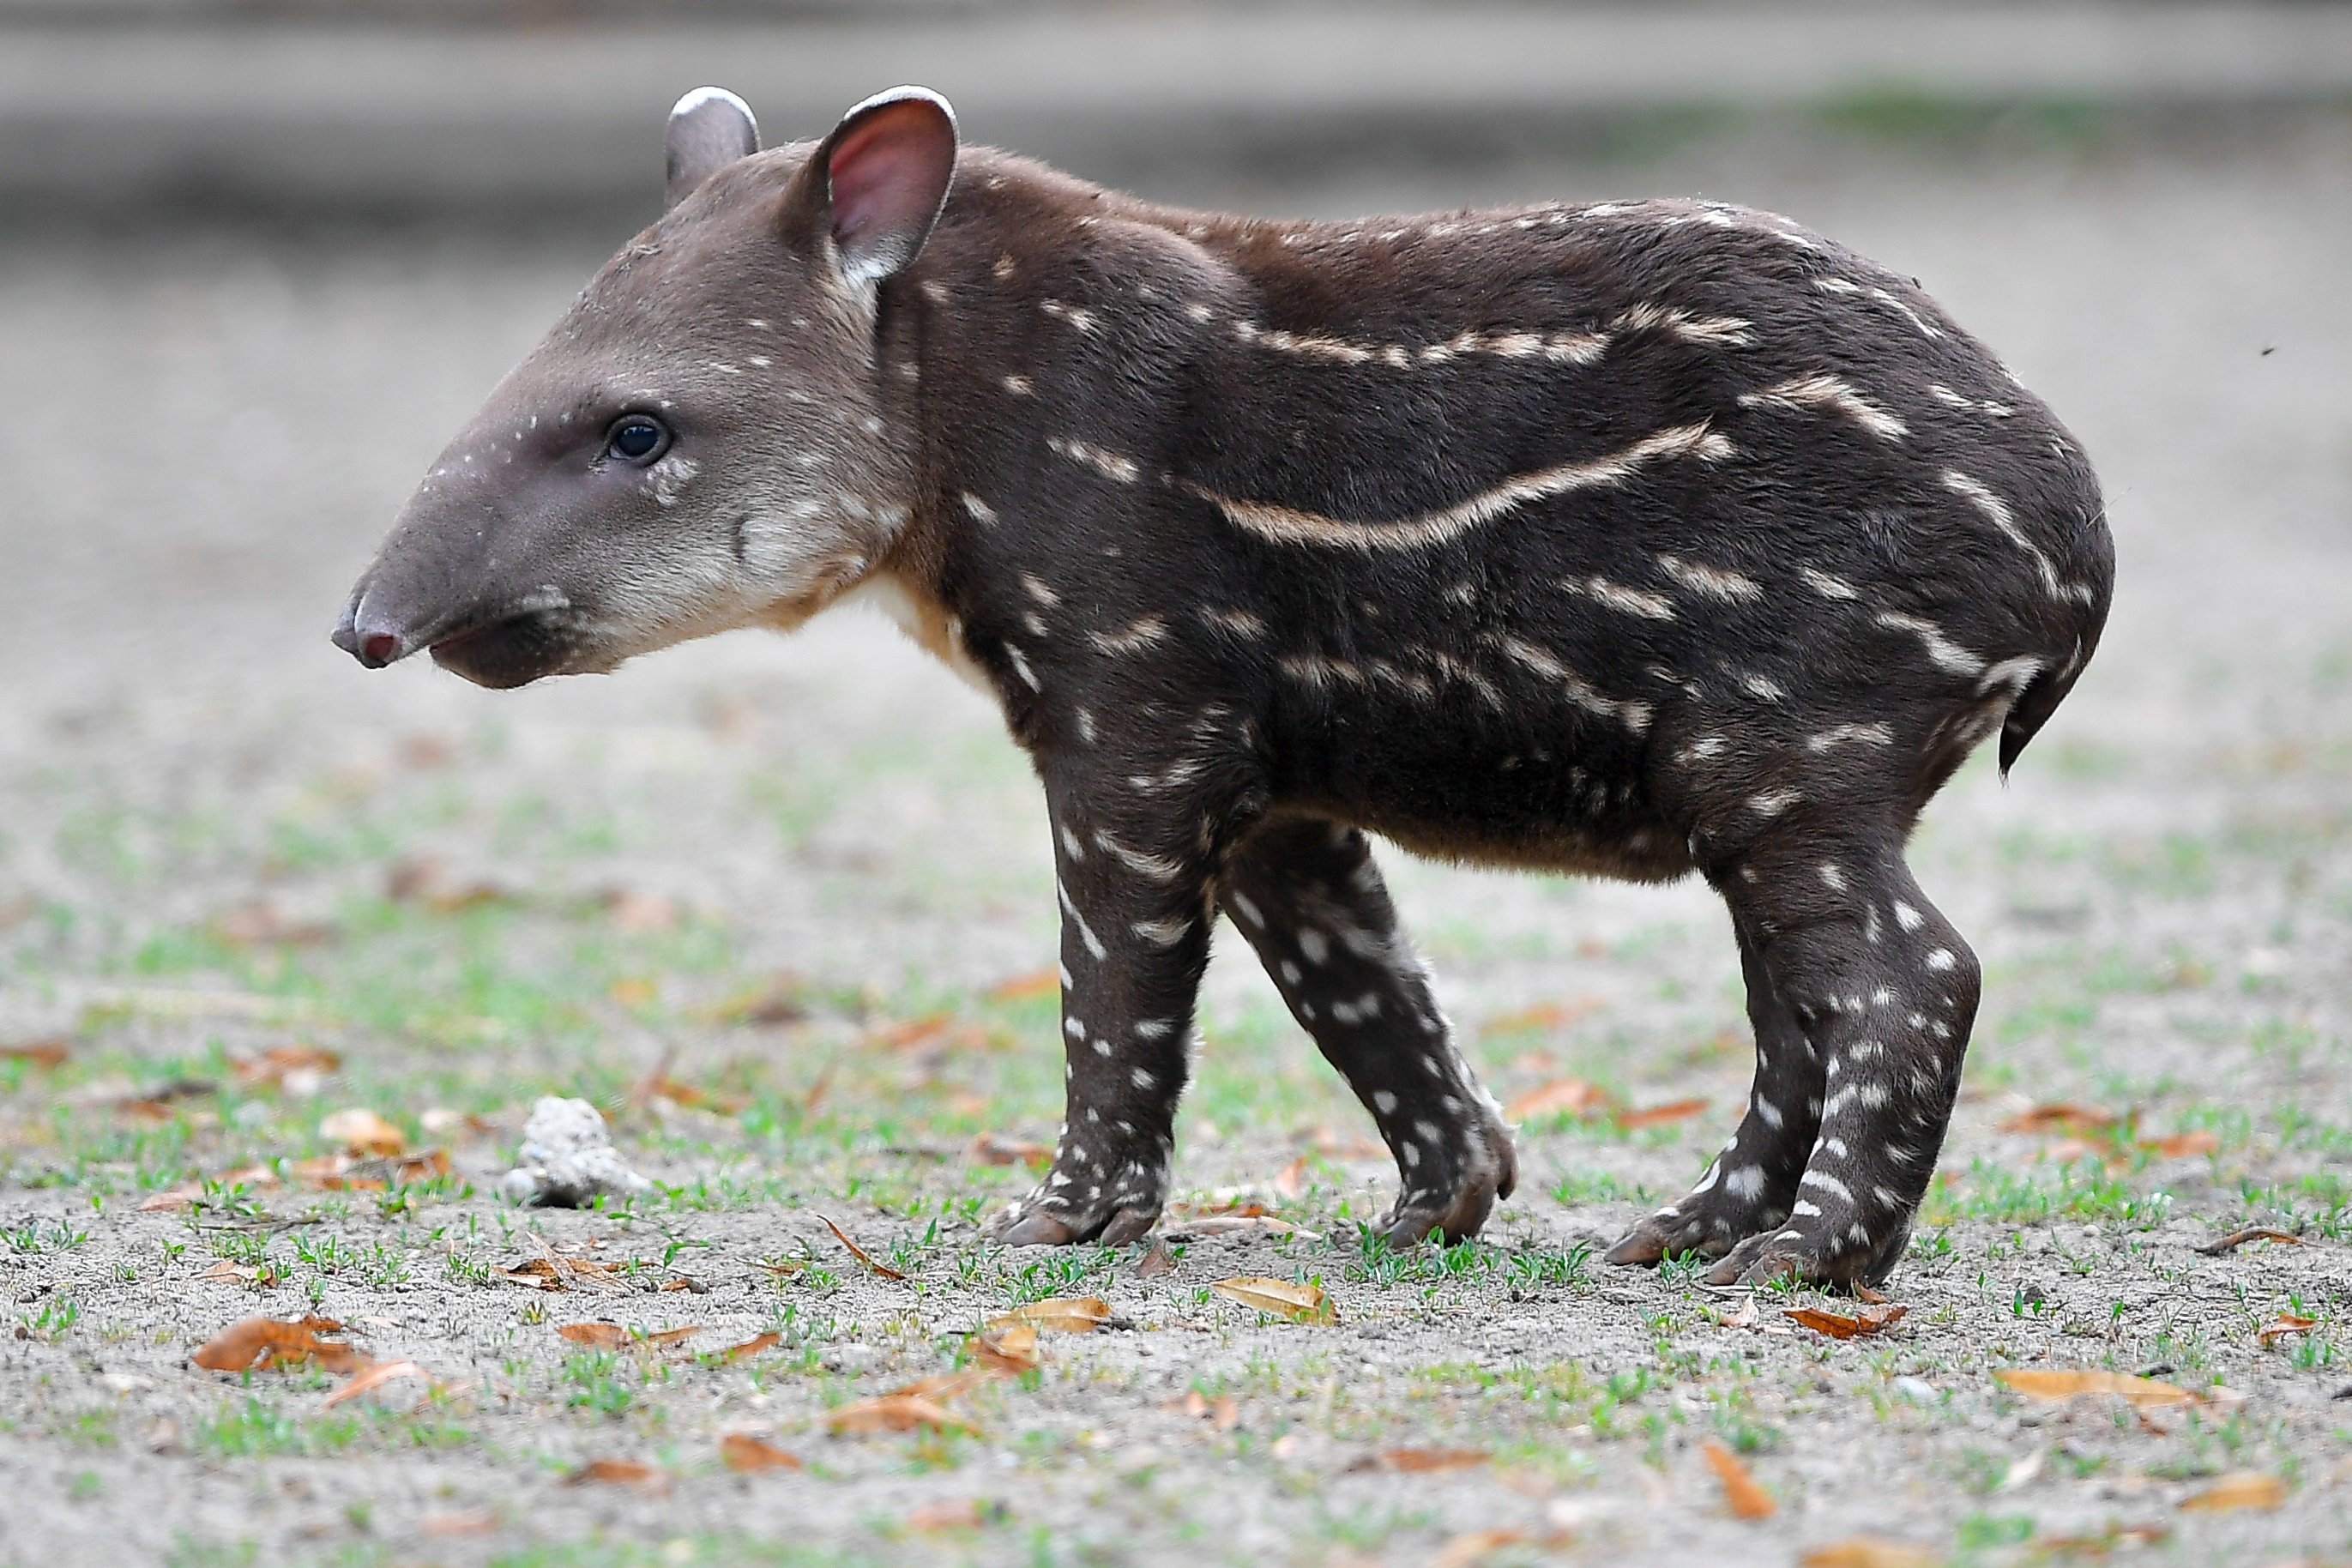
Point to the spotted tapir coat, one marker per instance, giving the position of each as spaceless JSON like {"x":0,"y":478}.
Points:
{"x":1636,"y":538}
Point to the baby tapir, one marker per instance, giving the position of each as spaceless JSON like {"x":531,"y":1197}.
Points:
{"x":1641,"y":538}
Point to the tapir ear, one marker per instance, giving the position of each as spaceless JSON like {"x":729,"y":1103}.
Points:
{"x":709,"y":129}
{"x":878,"y":182}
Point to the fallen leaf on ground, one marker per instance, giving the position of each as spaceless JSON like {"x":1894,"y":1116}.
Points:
{"x":1062,"y":1314}
{"x":631,"y":910}
{"x":841,"y":1235}
{"x":48,"y":1055}
{"x":996,"y":1149}
{"x":783,"y":1000}
{"x":440,"y":1119}
{"x":756,"y":1345}
{"x":1837,"y":1326}
{"x":612,"y":1336}
{"x":1290,"y":1182}
{"x":940,"y":1387}
{"x":1021,"y":987}
{"x":426,"y":881}
{"x":186,"y":1194}
{"x":895,"y":1412}
{"x":2278,"y":1327}
{"x":362,"y":1131}
{"x":462,"y":1522}
{"x":368,"y":1379}
{"x":958,"y":1513}
{"x":1544,"y":1016}
{"x":1011,"y":1350}
{"x":2239,"y":1489}
{"x":1156,"y":1261}
{"x":1657,"y":1115}
{"x":616,"y":1472}
{"x":369,"y":1172}
{"x":1464,"y":1550}
{"x":1279,"y":1299}
{"x":2238,"y":1238}
{"x":1429,"y":1461}
{"x":2133,"y":1537}
{"x":1868,"y":1552}
{"x":1237,"y":1224}
{"x":2059,"y":1118}
{"x":2139,"y":1393}
{"x":267,"y":1342}
{"x":284,"y":1067}
{"x":742,"y":1451}
{"x":2181,"y":1145}
{"x":1741,"y":1495}
{"x":264,"y":924}
{"x":1224,"y":1414}
{"x":1560,"y":1097}
{"x":224,"y":1272}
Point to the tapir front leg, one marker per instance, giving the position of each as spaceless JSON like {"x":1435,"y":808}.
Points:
{"x":1135,"y":938}
{"x":1308,"y":896}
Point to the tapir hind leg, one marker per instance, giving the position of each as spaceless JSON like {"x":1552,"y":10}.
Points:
{"x":1308,"y":896}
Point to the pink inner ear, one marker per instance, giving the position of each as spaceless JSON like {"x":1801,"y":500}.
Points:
{"x":888,"y":176}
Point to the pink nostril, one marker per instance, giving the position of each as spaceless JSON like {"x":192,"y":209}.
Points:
{"x":380,"y":649}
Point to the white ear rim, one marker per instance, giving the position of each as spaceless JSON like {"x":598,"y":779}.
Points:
{"x":870,"y":271}
{"x":906,"y":93}
{"x":702,"y":95}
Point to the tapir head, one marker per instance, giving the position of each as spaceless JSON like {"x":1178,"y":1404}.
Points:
{"x":701,"y":442}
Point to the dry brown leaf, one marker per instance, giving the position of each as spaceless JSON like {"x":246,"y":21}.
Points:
{"x":2182,"y":1145}
{"x":1156,"y":1261}
{"x":1021,"y":988}
{"x":1837,"y":1326}
{"x":1741,"y":1495}
{"x":617,"y":1472}
{"x":881,"y":1269}
{"x":300,"y":1065}
{"x":224,"y":1272}
{"x":362,"y":1131}
{"x":2239,"y":1489}
{"x":2134,"y":1537}
{"x":374,"y":1376}
{"x":2278,"y":1327}
{"x":267,"y":1342}
{"x":426,"y":881}
{"x":631,"y":910}
{"x":1235,"y":1225}
{"x":896,"y":1413}
{"x":1290,"y":1182}
{"x":1011,"y":1350}
{"x":1658,"y":1115}
{"x":2238,"y":1238}
{"x":1560,"y":1097}
{"x":1546,"y":1016}
{"x":461,"y":1522}
{"x":1279,"y":1299}
{"x":783,"y":1000}
{"x":1431,"y":1461}
{"x":2059,"y":1118}
{"x":742,"y":1451}
{"x":1465,"y":1550}
{"x":996,"y":1149}
{"x":595,"y":1336}
{"x":264,"y":924}
{"x":369,"y":1172}
{"x":1868,"y":1552}
{"x":2139,"y":1393}
{"x":1062,"y":1315}
{"x":1224,"y":1415}
{"x":758,"y":1345}
{"x":46,"y":1055}
{"x":958,"y":1514}
{"x":942,"y":1386}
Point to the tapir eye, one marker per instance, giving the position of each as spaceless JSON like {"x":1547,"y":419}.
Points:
{"x":636,"y":438}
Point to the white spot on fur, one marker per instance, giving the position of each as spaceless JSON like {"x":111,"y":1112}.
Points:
{"x":1942,"y":651}
{"x":1109,"y":465}
{"x":1716,"y":583}
{"x":1823,"y":393}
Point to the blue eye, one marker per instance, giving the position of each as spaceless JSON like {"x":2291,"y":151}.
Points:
{"x":636,"y":438}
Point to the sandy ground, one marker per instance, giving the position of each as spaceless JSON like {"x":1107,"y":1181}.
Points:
{"x":218,"y":838}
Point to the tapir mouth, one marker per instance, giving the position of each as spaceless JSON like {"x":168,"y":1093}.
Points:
{"x":513,"y":651}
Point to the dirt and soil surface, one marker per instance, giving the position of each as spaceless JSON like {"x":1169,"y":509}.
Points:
{"x":778,"y":907}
